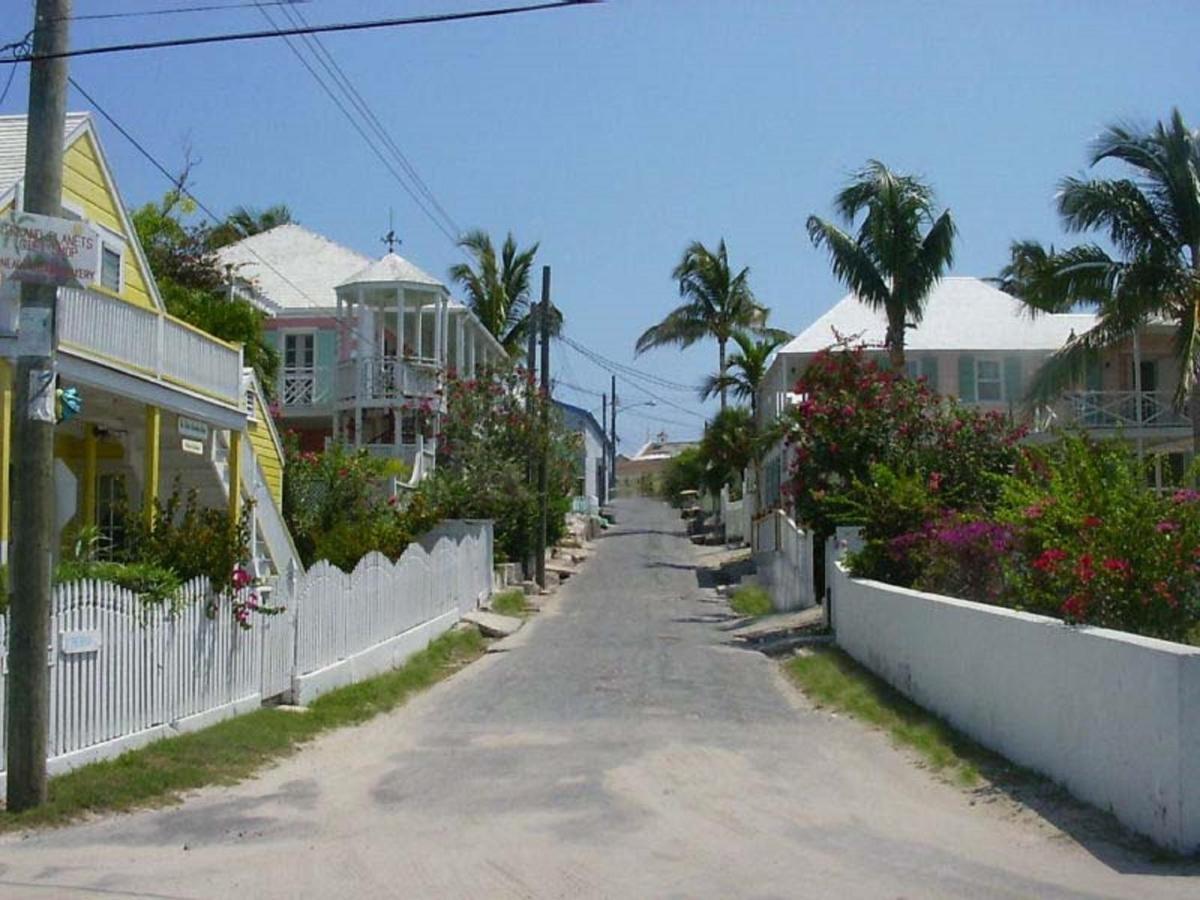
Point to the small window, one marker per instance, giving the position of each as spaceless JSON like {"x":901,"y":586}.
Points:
{"x":110,"y":268}
{"x":298,"y":351}
{"x":989,"y":385}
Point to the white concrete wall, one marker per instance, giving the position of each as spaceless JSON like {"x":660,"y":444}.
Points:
{"x":783,"y":561}
{"x":1113,"y":717}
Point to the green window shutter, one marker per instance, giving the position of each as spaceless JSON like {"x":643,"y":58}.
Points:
{"x":1012,"y":379}
{"x":929,"y":371}
{"x":325,"y":358}
{"x":966,"y":378}
{"x":274,"y":339}
{"x":1093,"y":376}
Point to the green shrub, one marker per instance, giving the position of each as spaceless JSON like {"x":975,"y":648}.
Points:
{"x":510,"y":603}
{"x":152,"y":583}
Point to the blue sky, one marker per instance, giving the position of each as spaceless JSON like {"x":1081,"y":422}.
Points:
{"x":615,"y":134}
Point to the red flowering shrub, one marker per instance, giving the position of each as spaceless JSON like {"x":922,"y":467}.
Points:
{"x":856,"y":415}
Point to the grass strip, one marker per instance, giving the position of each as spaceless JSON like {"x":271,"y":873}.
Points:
{"x":831,"y":678}
{"x":751,"y":600}
{"x":510,"y":603}
{"x":236,"y":748}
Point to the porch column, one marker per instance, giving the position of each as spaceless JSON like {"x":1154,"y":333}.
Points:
{"x":460,"y":340}
{"x":400,"y":323}
{"x":471,"y":354}
{"x":6,"y":427}
{"x":89,"y":475}
{"x":235,"y":476}
{"x":152,"y":462}
{"x":420,"y":351}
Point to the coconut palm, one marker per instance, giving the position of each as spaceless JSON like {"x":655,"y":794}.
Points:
{"x":746,"y":368}
{"x":1152,"y":220}
{"x":244,"y":221}
{"x":716,"y":304}
{"x":497,"y":288}
{"x":890,"y":263}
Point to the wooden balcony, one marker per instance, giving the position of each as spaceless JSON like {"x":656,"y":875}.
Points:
{"x":1124,"y":411}
{"x":151,"y":344}
{"x":383,"y":380}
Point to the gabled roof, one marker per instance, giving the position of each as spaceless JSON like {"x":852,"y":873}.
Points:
{"x":293,"y":267}
{"x":960,"y":314}
{"x":663,"y":449}
{"x":12,"y":145}
{"x":583,"y":417}
{"x":391,"y":269}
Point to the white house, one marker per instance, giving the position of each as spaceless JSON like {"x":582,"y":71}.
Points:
{"x":594,"y":453}
{"x":983,"y":347}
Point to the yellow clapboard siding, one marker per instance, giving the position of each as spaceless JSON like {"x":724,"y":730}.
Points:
{"x":268,"y":454}
{"x":85,"y":185}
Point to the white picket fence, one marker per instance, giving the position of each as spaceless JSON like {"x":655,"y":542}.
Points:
{"x":735,"y":516}
{"x":123,"y":673}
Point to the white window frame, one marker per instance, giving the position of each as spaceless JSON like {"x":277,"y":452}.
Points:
{"x":998,"y":381}
{"x":112,"y":241}
{"x":286,"y":333}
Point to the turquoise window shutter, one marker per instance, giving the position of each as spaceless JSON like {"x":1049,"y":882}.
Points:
{"x":966,"y":378}
{"x":326,"y":359}
{"x":929,"y":371}
{"x":1012,"y":379}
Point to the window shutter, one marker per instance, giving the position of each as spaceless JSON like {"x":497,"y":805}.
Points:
{"x":1012,"y":379}
{"x":1092,"y":375}
{"x":325,"y":358}
{"x":966,"y":378}
{"x":929,"y":371}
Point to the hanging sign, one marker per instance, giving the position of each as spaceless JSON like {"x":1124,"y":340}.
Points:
{"x":73,"y":642}
{"x":193,"y":428}
{"x":48,"y":250}
{"x":189,"y":446}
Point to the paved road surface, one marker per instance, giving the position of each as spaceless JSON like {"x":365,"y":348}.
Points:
{"x":621,"y":752}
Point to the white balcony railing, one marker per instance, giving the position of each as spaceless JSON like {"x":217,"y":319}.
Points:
{"x":304,"y":386}
{"x":1101,"y":410}
{"x":381,"y":378}
{"x":153,"y":344}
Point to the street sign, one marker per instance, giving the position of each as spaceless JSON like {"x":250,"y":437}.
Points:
{"x":48,"y":250}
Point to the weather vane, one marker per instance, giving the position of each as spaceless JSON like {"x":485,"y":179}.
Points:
{"x":390,"y":238}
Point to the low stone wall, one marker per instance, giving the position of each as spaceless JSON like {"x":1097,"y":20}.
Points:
{"x":1113,"y":717}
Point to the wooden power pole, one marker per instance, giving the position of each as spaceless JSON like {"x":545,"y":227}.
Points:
{"x":612,"y":438}
{"x":34,"y":411}
{"x":543,"y":460}
{"x":528,"y":564}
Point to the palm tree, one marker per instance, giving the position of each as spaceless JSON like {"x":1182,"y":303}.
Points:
{"x":746,"y":368}
{"x":716,"y":303}
{"x":1152,"y":220}
{"x":889,"y":264}
{"x":497,"y":289}
{"x":245,"y":221}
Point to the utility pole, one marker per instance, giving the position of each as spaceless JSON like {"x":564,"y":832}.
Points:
{"x":33,"y":487}
{"x":544,"y":460}
{"x":612,"y":438}
{"x":604,"y":431}
{"x":528,"y":564}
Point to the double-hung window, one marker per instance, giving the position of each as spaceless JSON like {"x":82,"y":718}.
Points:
{"x":989,"y":381}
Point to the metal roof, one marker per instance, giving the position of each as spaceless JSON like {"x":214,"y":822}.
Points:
{"x":12,"y":145}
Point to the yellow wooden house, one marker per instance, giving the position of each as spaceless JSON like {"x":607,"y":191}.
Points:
{"x":163,"y":402}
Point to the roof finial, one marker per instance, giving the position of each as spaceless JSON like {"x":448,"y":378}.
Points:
{"x":390,"y":238}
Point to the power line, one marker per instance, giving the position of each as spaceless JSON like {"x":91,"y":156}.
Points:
{"x":657,"y":419}
{"x":171,"y":178}
{"x":595,"y":359}
{"x":311,"y":29}
{"x":176,"y":10}
{"x":348,"y":88}
{"x":354,"y":122}
{"x":613,"y":365}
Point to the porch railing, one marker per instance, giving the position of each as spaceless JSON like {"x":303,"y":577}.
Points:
{"x":385,"y":378}
{"x":304,"y":386}
{"x":1112,"y":410}
{"x":153,"y":344}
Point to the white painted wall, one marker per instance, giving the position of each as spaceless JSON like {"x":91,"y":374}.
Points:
{"x":783,"y":561}
{"x":1113,"y":717}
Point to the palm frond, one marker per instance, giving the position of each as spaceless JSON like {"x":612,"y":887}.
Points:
{"x":851,"y":263}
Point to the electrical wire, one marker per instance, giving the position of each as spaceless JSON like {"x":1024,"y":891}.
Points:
{"x":634,"y":384}
{"x":374,"y":24}
{"x":296,"y":16}
{"x":632,"y":372}
{"x":175,"y":10}
{"x":354,"y":122}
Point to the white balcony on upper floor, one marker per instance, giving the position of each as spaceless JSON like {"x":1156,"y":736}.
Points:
{"x":1127,"y":412}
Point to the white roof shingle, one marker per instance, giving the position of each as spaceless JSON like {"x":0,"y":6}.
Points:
{"x":390,"y":269}
{"x":293,"y":267}
{"x":961,"y":314}
{"x":12,"y":146}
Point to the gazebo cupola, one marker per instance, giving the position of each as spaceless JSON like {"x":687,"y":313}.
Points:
{"x":392,"y":341}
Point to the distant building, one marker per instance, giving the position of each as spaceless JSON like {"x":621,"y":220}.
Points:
{"x":594,"y":455}
{"x":642,"y":472}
